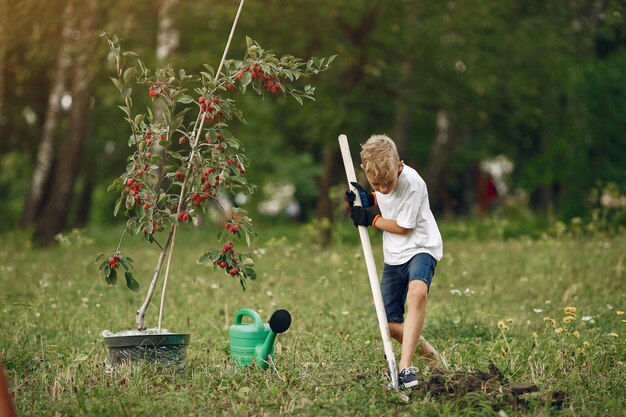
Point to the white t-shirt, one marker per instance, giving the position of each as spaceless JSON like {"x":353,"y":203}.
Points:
{"x":408,"y":205}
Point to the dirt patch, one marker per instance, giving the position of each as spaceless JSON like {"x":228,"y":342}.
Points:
{"x":491,"y":385}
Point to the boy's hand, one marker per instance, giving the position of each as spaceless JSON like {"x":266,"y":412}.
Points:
{"x":362,"y":217}
{"x":367,"y":199}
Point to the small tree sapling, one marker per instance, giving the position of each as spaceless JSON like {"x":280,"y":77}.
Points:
{"x":182,"y":162}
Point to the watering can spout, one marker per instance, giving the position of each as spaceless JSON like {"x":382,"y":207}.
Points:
{"x":263,"y":351}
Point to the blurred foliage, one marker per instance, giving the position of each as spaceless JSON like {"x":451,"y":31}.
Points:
{"x":539,"y":82}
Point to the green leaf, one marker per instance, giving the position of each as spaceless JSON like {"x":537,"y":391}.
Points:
{"x":118,"y":205}
{"x":111,"y":277}
{"x":124,"y":262}
{"x":128,"y":74}
{"x":205,"y":257}
{"x":246,"y":78}
{"x":185,"y":99}
{"x":130,"y":281}
{"x":117,"y":83}
{"x":98,"y":257}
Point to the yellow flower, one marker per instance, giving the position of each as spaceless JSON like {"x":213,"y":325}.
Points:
{"x":567,"y":319}
{"x":613,"y":334}
{"x":550,"y":319}
{"x":535,"y":335}
{"x":558,"y":330}
{"x":619,"y":312}
{"x":585,"y":344}
{"x":502,"y":326}
{"x":570,"y":310}
{"x":576,"y":333}
{"x":509,"y":320}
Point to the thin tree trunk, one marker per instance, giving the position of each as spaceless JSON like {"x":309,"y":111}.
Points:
{"x":359,"y":36}
{"x":324,"y":207}
{"x":3,"y":67}
{"x":168,"y":38}
{"x":438,"y":159}
{"x":84,"y":202}
{"x":403,"y":119}
{"x":54,"y":213}
{"x":45,"y":154}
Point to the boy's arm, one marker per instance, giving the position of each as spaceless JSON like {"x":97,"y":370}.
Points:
{"x":363,"y":217}
{"x":389,"y":225}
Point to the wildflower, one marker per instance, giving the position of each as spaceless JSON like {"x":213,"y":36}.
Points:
{"x":567,"y":319}
{"x":509,"y":320}
{"x":570,"y":310}
{"x":576,"y":334}
{"x":585,"y":344}
{"x":558,"y":330}
{"x":588,"y":318}
{"x":550,"y":319}
{"x":619,"y":312}
{"x":502,"y":326}
{"x":535,"y":335}
{"x":613,"y":334}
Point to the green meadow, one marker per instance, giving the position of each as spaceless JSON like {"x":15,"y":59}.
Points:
{"x":546,"y":310}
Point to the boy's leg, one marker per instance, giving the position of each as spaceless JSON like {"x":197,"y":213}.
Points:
{"x":414,"y":321}
{"x":427,"y":351}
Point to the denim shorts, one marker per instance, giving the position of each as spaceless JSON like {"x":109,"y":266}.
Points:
{"x":395,"y":283}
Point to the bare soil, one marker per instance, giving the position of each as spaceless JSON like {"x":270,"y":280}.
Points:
{"x":491,"y":385}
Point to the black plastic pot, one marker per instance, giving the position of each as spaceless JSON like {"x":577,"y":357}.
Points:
{"x":168,"y":349}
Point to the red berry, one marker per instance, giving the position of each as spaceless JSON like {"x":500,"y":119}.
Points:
{"x":148,"y":155}
{"x":181,"y":140}
{"x":230,"y":86}
{"x":239,"y":75}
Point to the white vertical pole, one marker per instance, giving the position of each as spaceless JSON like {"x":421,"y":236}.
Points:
{"x":371,"y":267}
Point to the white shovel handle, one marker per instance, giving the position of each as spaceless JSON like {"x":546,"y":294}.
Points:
{"x":371,"y":266}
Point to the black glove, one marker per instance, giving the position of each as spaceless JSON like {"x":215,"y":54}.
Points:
{"x":367,"y":199}
{"x":362,"y":217}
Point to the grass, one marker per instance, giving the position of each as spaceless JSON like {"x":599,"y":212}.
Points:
{"x":492,"y":301}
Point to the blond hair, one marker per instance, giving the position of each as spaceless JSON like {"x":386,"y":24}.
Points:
{"x":379,"y":158}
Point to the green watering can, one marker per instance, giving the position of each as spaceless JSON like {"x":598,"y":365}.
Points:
{"x":255,"y":341}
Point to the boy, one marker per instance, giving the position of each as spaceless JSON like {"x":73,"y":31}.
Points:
{"x":412,"y":245}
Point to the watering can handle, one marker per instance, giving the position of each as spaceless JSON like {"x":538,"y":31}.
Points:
{"x":258,"y":322}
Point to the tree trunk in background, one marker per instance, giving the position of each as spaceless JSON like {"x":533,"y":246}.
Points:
{"x":45,"y":154}
{"x":3,"y":67}
{"x":324,"y":208}
{"x":403,"y":119}
{"x":437,"y":161}
{"x":358,"y":35}
{"x":168,"y":38}
{"x":84,"y":202}
{"x":54,"y":213}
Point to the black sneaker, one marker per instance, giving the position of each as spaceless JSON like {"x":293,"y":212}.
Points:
{"x":407,"y":378}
